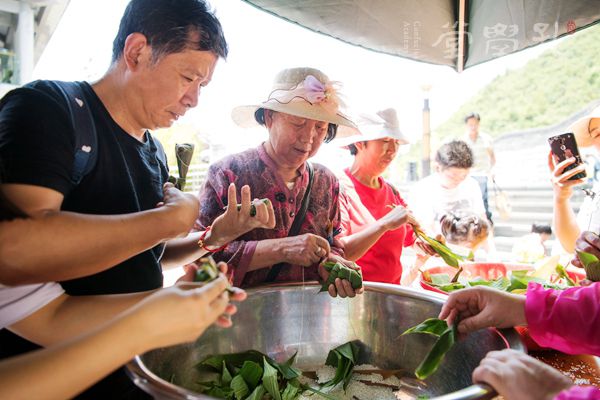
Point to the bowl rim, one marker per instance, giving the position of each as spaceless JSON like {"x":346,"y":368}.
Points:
{"x":143,"y":377}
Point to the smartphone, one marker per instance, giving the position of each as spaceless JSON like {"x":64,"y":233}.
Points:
{"x":564,"y":146}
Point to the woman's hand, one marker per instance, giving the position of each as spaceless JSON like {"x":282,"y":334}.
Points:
{"x":234,"y":223}
{"x":305,"y":250}
{"x":397,"y":217}
{"x":587,"y":242}
{"x":483,"y":307}
{"x":341,"y":287}
{"x":515,"y":375}
{"x":563,"y":187}
{"x":182,"y":312}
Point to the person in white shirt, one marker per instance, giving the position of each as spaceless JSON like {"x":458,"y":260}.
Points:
{"x":484,"y":158}
{"x":449,"y":189}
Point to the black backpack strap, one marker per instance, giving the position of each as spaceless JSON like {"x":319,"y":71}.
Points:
{"x":86,"y":139}
{"x":297,"y":224}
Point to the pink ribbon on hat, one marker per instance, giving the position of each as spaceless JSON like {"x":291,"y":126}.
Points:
{"x":320,"y":93}
{"x":312,"y":91}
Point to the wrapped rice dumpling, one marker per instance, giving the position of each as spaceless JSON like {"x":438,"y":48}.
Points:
{"x":338,"y":270}
{"x":184,"y":153}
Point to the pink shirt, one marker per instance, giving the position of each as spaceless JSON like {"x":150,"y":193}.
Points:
{"x":361,"y":206}
{"x":565,"y":320}
{"x":255,"y":168}
{"x":568,"y":321}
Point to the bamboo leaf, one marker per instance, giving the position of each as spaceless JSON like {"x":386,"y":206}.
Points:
{"x":287,"y":370}
{"x":290,"y":392}
{"x":225,"y":375}
{"x":251,"y":372}
{"x":269,"y":380}
{"x":257,"y":394}
{"x":431,"y":326}
{"x":562,"y":273}
{"x":587,"y":258}
{"x":317,"y":391}
{"x":434,"y":358}
{"x":449,"y":257}
{"x":239,"y":387}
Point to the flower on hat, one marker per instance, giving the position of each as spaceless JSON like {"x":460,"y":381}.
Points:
{"x":321,"y":93}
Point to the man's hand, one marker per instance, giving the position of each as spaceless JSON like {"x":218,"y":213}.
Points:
{"x":483,"y":307}
{"x":234,"y":223}
{"x":181,"y":209}
{"x":342,"y":287}
{"x":517,"y":376}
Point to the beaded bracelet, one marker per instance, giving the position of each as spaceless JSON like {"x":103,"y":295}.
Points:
{"x":202,"y":245}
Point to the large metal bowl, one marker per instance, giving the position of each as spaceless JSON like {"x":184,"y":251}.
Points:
{"x":281,"y":320}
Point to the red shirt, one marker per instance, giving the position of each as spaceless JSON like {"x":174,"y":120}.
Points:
{"x":361,"y":206}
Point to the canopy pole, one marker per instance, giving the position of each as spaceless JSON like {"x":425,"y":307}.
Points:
{"x":460,"y":62}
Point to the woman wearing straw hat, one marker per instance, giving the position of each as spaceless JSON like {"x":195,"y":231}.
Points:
{"x":568,"y":226}
{"x":376,"y":224}
{"x":300,"y":112}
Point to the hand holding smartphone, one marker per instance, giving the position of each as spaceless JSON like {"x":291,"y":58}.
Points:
{"x":564,"y":146}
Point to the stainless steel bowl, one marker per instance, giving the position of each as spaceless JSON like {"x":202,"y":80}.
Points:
{"x":281,"y":320}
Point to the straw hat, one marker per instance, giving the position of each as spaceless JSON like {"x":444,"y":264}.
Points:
{"x":380,"y":125}
{"x":581,"y":128}
{"x":303,"y":92}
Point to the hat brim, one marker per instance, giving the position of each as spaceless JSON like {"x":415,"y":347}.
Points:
{"x":348,"y":138}
{"x":581,"y":128}
{"x":244,"y":115}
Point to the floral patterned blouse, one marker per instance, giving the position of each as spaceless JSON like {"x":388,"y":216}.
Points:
{"x":256,"y":169}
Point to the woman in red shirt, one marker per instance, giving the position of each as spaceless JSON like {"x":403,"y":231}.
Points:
{"x":375,"y":222}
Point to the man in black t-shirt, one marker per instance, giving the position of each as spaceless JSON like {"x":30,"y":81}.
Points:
{"x":163,"y":54}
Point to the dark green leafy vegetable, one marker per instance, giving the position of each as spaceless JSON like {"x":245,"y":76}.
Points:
{"x":446,"y":335}
{"x":449,"y":257}
{"x":338,"y":270}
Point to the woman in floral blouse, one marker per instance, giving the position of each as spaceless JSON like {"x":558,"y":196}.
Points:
{"x":300,"y":114}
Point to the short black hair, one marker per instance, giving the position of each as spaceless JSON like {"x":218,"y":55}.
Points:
{"x":541,"y":228}
{"x":455,"y":154}
{"x":353,"y":149}
{"x":472,"y":115}
{"x":171,"y":26}
{"x":259,"y":116}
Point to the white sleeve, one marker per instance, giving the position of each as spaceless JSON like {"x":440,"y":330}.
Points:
{"x":421,"y":204}
{"x":19,"y":302}
{"x":476,"y":197}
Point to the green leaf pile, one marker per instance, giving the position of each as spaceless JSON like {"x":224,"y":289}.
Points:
{"x":446,"y":337}
{"x":252,"y":375}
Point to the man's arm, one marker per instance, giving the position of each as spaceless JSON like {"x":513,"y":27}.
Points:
{"x":87,"y":243}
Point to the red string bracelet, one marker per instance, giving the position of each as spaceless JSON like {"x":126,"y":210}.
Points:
{"x":202,"y":245}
